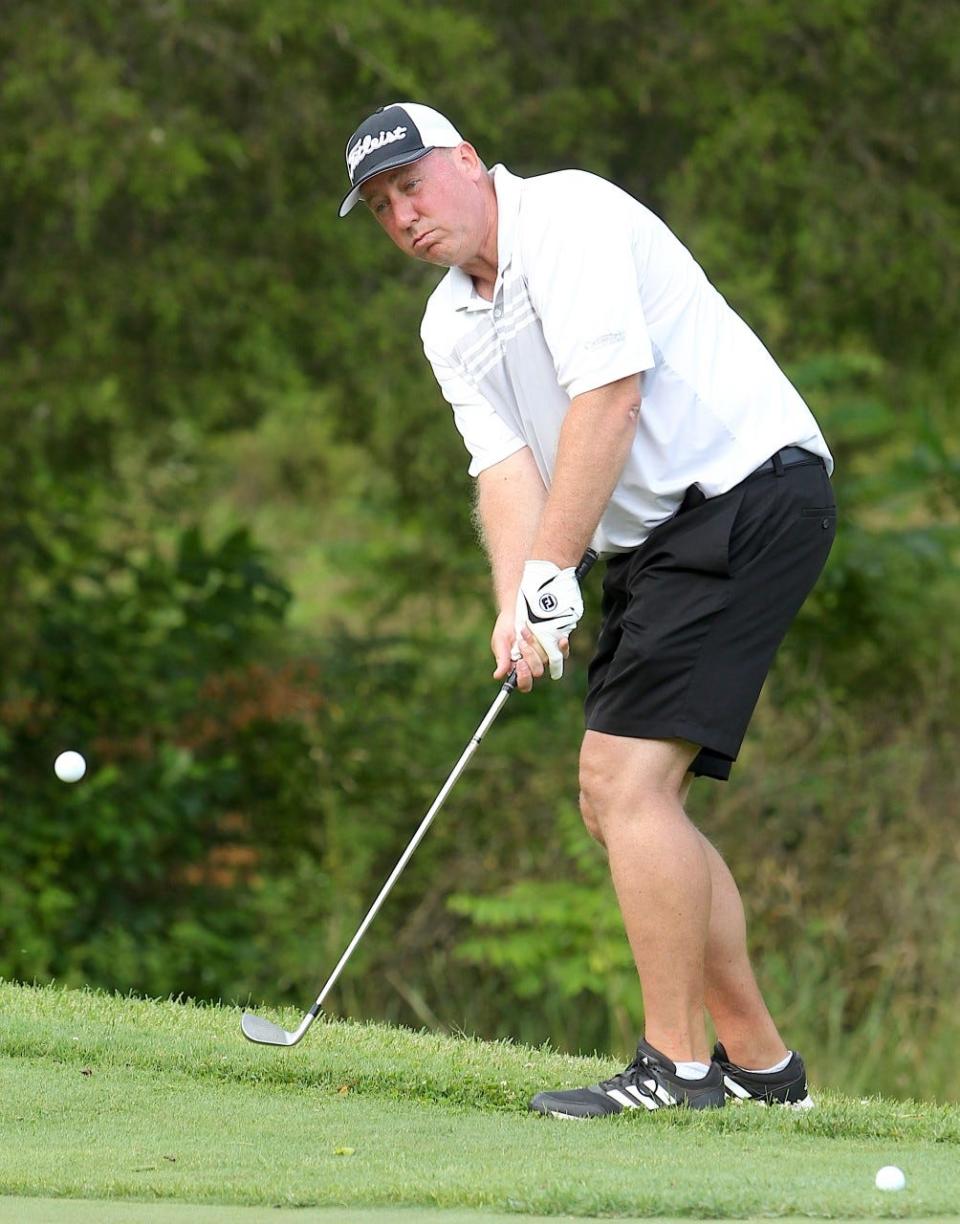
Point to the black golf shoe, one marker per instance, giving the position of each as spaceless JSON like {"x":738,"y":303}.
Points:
{"x":787,"y":1087}
{"x":650,"y":1082}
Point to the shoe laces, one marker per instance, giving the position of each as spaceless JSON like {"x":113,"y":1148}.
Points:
{"x":633,"y":1075}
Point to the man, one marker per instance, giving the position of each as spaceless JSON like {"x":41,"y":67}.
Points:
{"x":609,"y":396}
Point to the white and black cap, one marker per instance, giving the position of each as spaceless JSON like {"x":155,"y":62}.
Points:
{"x":392,"y":136}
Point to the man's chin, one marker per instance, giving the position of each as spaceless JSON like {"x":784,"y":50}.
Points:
{"x":442,"y":252}
{"x":434,"y":256}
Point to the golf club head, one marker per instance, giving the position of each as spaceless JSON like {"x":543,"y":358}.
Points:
{"x":265,"y":1032}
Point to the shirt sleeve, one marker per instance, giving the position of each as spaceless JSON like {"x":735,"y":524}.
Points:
{"x":488,"y":438}
{"x":582,"y":274}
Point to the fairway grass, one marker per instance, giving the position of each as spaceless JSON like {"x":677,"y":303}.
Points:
{"x":101,"y":1211}
{"x":115,"y":1098}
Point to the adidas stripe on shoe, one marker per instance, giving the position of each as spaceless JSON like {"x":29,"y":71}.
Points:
{"x":787,"y":1087}
{"x":649,"y":1082}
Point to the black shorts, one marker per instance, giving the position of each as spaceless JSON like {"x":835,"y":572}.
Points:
{"x":693,"y":617}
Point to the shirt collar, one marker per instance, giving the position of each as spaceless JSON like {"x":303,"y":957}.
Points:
{"x":508,"y":188}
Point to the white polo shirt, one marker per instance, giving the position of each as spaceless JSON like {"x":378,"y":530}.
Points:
{"x":591,"y":287}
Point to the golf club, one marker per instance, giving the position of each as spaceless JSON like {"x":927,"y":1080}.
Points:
{"x":265,"y":1032}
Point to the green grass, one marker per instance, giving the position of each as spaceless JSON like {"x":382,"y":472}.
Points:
{"x":115,"y":1098}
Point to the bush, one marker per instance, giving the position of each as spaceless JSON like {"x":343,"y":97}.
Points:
{"x":199,"y":762}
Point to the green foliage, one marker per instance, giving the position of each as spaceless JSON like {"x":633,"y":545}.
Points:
{"x":897,"y":491}
{"x":196,"y":752}
{"x":559,"y":941}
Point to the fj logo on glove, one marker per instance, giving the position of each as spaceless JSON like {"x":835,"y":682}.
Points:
{"x":549,"y":605}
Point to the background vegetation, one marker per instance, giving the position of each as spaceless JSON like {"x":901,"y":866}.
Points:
{"x":235,"y":540}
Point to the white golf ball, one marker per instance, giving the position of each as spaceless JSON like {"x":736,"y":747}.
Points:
{"x":69,"y":766}
{"x":890,"y":1178}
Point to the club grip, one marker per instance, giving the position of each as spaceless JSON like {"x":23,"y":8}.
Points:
{"x":587,"y":562}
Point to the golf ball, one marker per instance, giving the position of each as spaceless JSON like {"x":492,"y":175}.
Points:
{"x":69,"y":766}
{"x":890,"y":1178}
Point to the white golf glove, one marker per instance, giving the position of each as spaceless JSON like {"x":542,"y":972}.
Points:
{"x":549,"y":604}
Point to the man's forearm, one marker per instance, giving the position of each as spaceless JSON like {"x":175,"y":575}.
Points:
{"x":596,"y":438}
{"x":510,"y":500}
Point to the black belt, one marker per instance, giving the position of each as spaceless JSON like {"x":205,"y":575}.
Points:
{"x":790,"y":456}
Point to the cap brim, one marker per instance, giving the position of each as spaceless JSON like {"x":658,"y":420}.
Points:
{"x":404,"y":159}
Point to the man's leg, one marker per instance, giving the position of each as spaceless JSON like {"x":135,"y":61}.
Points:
{"x":732,"y":995}
{"x":630,"y":794}
{"x":682,"y":968}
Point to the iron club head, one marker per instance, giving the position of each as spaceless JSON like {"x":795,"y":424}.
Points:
{"x":255,"y":1028}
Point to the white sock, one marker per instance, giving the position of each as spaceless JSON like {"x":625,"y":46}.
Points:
{"x":691,"y":1070}
{"x":780,"y":1066}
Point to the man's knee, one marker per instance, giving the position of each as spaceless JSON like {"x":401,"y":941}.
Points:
{"x":590,"y":817}
{"x":622,"y":777}
{"x":594,"y":790}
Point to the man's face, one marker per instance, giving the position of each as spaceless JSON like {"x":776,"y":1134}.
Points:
{"x":432,"y":209}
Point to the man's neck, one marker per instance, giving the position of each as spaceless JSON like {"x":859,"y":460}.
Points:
{"x":483,"y":267}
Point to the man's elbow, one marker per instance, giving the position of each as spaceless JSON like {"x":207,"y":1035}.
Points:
{"x":617,"y":400}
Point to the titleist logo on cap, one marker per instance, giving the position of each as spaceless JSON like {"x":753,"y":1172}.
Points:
{"x":369,"y":144}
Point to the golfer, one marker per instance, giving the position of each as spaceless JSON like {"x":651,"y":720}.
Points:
{"x":609,"y":397}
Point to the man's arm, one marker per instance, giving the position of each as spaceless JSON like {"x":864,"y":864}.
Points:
{"x":521,"y":521}
{"x":510,"y":499}
{"x":595,"y":440}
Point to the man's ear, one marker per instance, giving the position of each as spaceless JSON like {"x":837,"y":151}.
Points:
{"x":467,"y":157}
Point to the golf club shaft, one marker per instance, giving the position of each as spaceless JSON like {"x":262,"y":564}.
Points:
{"x":415,"y":841}
{"x":508,"y":686}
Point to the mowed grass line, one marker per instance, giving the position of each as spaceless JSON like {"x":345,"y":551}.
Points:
{"x":105,"y":1097}
{"x":101,"y":1211}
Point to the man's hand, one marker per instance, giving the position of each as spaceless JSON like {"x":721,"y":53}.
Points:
{"x":501,"y":643}
{"x":548,"y":609}
{"x":530,"y":667}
